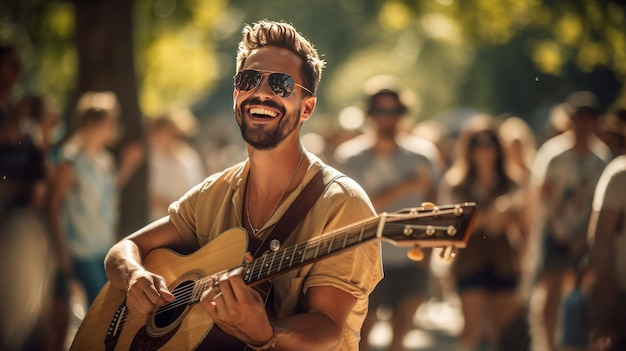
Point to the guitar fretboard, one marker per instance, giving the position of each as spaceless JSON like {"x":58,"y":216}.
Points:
{"x":275,"y":262}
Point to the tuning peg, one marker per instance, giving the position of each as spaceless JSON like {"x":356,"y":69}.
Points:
{"x":448,"y":253}
{"x":415,"y":254}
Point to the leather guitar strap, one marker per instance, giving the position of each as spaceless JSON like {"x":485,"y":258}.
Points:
{"x":296,"y":211}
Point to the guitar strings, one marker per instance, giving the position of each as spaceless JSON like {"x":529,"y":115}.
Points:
{"x":184,"y":296}
{"x":318,"y":242}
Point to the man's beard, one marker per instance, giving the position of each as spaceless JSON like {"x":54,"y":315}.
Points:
{"x":387,"y":133}
{"x":260,"y":137}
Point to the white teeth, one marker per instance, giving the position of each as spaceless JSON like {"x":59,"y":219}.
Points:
{"x":263,"y":111}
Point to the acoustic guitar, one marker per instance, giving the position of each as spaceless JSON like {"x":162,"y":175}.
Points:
{"x":184,"y":325}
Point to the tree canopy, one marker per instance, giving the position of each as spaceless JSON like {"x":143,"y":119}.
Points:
{"x":494,"y":55}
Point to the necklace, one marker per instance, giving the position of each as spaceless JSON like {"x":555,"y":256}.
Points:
{"x":255,"y":231}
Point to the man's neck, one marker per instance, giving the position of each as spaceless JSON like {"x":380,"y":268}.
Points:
{"x":271,"y":170}
{"x":385,"y":146}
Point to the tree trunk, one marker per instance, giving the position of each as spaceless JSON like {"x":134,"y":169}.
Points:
{"x":104,"y":41}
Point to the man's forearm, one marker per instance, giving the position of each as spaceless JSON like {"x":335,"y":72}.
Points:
{"x":321,"y":328}
{"x":122,"y":260}
{"x":308,"y":331}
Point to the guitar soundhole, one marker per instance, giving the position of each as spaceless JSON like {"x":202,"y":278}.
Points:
{"x":169,"y":313}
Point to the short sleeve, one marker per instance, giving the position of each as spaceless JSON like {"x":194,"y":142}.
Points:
{"x":182,"y":214}
{"x":610,"y":191}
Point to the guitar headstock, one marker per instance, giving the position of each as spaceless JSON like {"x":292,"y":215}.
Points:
{"x":446,"y":226}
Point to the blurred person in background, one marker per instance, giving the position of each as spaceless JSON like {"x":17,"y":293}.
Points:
{"x":221,"y":144}
{"x":437,"y":133}
{"x":395,"y":177}
{"x":26,"y":267}
{"x":22,"y":193}
{"x":486,"y":273}
{"x":607,"y":237}
{"x":10,"y":69}
{"x":557,"y":123}
{"x":22,"y":167}
{"x":175,"y":166}
{"x":24,"y":240}
{"x":611,"y":132}
{"x":83,"y":205}
{"x":564,"y":176}
{"x":519,"y":146}
{"x":40,"y":119}
{"x":21,"y":163}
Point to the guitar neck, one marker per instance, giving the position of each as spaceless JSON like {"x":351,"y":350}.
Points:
{"x":439,"y":227}
{"x":273,"y":263}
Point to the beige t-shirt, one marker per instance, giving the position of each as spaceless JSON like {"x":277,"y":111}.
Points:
{"x":215,"y":205}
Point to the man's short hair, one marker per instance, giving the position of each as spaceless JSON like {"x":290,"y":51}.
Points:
{"x":582,"y":103}
{"x":371,"y":104}
{"x":282,"y":35}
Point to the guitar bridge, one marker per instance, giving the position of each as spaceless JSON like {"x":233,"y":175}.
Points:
{"x":115,"y":326}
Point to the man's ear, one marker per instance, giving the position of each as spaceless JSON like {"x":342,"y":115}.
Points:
{"x":235,"y":94}
{"x":309,"y":106}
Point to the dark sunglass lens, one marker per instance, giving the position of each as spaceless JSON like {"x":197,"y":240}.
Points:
{"x":247,"y":80}
{"x":482,"y":143}
{"x":381,"y":111}
{"x":281,"y":84}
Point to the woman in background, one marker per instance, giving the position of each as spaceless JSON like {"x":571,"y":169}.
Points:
{"x":486,"y":273}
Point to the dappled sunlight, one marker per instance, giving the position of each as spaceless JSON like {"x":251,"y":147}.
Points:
{"x":380,"y":335}
{"x":441,"y":27}
{"x":394,"y":16}
{"x":441,"y":315}
{"x":60,"y":19}
{"x":205,"y":13}
{"x":494,"y":21}
{"x":418,"y":340}
{"x":176,"y":69}
{"x":437,"y":323}
{"x":590,"y":56}
{"x":351,"y":118}
{"x":568,"y":28}
{"x":547,"y":56}
{"x":164,"y":8}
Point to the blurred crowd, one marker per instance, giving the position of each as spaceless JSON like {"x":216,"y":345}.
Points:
{"x":541,"y":271}
{"x":59,"y":200}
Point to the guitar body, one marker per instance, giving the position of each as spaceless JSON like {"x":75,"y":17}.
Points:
{"x":181,"y":326}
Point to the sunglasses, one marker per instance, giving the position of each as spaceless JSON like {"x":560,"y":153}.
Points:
{"x":281,"y":83}
{"x":482,"y":143}
{"x":381,"y":111}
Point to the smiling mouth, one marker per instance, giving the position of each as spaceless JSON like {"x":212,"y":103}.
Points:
{"x":260,"y":112}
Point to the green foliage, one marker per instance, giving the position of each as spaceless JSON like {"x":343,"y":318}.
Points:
{"x":494,"y":55}
{"x":42,"y":31}
{"x":176,"y":57}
